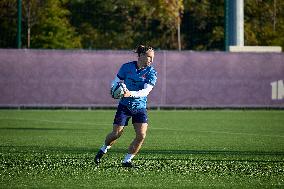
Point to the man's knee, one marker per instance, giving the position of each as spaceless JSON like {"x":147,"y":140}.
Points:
{"x":117,"y":131}
{"x":116,"y":134}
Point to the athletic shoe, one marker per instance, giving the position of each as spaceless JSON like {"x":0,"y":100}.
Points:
{"x":98,"y":157}
{"x":127,"y":164}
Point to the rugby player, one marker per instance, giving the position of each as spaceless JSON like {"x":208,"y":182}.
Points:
{"x":140,"y":78}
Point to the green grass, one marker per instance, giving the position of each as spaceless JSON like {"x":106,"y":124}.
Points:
{"x":183,"y":149}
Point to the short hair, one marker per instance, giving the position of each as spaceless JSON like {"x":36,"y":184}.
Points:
{"x":142,"y":49}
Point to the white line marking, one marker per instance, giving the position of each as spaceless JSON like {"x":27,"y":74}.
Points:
{"x":52,"y":121}
{"x":218,"y":132}
{"x":150,"y":128}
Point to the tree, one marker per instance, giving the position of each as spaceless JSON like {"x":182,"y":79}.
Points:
{"x":264,"y":23}
{"x":123,"y":24}
{"x":8,"y":23}
{"x":48,"y":21}
{"x":203,"y":24}
{"x":52,"y":28}
{"x":111,"y":24}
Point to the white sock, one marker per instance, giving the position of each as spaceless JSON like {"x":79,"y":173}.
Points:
{"x":128,"y":158}
{"x":104,"y":148}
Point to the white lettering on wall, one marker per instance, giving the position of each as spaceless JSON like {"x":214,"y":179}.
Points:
{"x":277,"y":90}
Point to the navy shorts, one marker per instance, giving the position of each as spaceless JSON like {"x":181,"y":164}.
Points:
{"x":123,"y":114}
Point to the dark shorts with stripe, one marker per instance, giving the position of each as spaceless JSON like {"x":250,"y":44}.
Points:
{"x":123,"y":114}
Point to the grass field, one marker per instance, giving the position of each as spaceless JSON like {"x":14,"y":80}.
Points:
{"x":183,"y":149}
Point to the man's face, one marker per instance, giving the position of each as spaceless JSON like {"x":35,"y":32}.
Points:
{"x":147,"y":58}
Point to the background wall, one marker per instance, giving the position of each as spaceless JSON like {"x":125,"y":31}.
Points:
{"x":82,"y":78}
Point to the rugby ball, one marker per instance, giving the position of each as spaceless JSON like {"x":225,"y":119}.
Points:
{"x":117,"y":90}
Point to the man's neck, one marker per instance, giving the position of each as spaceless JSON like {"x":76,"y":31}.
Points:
{"x":139,"y":66}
